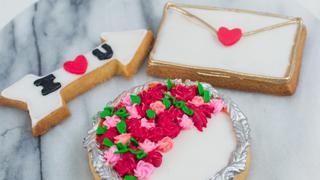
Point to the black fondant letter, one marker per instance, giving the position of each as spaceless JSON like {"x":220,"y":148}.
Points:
{"x":48,"y":85}
{"x":103,"y":55}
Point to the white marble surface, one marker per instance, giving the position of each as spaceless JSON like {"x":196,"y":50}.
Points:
{"x":285,"y":130}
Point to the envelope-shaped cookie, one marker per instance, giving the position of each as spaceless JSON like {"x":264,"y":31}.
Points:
{"x":230,"y":48}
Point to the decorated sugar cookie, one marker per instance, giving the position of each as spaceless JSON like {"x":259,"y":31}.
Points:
{"x":240,"y":49}
{"x":45,"y":97}
{"x":169,"y":130}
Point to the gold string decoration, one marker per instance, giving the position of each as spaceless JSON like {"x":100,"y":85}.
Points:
{"x":248,"y":33}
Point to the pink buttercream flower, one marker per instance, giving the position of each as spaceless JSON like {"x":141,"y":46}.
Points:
{"x":217,"y":104}
{"x":165,"y":144}
{"x":148,"y":145}
{"x":158,"y":107}
{"x":146,"y":124}
{"x":133,"y":112}
{"x":123,"y":138}
{"x":185,"y":122}
{"x":126,"y":100}
{"x":111,"y":121}
{"x":143,"y":170}
{"x":110,"y":157}
{"x":197,"y":100}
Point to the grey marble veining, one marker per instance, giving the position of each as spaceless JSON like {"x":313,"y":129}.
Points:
{"x":284,"y":129}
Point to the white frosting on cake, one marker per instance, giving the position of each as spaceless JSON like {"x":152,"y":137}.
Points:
{"x":124,"y":45}
{"x":199,"y":155}
{"x":186,"y":41}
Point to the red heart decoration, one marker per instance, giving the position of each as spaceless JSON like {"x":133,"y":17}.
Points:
{"x":229,"y":37}
{"x":77,"y":66}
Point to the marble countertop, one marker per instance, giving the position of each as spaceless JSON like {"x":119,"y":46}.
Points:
{"x":284,"y":129}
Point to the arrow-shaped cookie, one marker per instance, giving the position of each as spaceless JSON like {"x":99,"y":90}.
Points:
{"x":45,"y":97}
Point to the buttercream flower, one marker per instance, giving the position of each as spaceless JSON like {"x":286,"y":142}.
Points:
{"x":148,"y":145}
{"x":111,"y":121}
{"x":183,"y":92}
{"x":206,"y":110}
{"x":122,"y":138}
{"x":133,"y":112}
{"x":165,"y":144}
{"x":126,"y":165}
{"x":126,"y":100}
{"x":145,"y":123}
{"x":110,"y":157}
{"x":217,"y":104}
{"x":154,"y":93}
{"x":165,"y":118}
{"x":111,"y":133}
{"x":158,"y":107}
{"x":154,"y":157}
{"x":140,"y":133}
{"x":177,"y":112}
{"x":156,"y":134}
{"x":133,"y":124}
{"x":199,"y":118}
{"x":171,"y":129}
{"x":185,"y":122}
{"x":197,"y":101}
{"x":143,"y":170}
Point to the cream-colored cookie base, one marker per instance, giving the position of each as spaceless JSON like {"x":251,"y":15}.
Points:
{"x":199,"y":155}
{"x":184,"y":41}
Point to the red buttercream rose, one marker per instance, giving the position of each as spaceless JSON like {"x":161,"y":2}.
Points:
{"x":140,"y":134}
{"x":184,"y":93}
{"x":165,"y":118}
{"x":157,"y":91}
{"x":156,"y":134}
{"x":154,"y":157}
{"x":199,"y":118}
{"x":176,"y":112}
{"x":111,"y":133}
{"x":154,"y":93}
{"x":146,"y":97}
{"x":133,"y":124}
{"x":126,"y":165}
{"x":172,"y":130}
{"x":207,"y":110}
{"x":128,"y":156}
{"x":142,"y":108}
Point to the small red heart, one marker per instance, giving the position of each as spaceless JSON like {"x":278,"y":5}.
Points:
{"x":229,"y":37}
{"x":77,"y":66}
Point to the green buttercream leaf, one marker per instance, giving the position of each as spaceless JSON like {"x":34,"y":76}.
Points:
{"x":109,"y":111}
{"x":103,"y":114}
{"x":107,"y":142}
{"x":169,"y":84}
{"x":122,"y":127}
{"x":180,"y":104}
{"x":141,"y":156}
{"x":151,"y":113}
{"x":134,"y":142}
{"x":128,"y":177}
{"x":122,"y":113}
{"x":101,"y":130}
{"x":120,"y":146}
{"x":135,"y":99}
{"x":166,"y":102}
{"x":200,"y":89}
{"x":206,"y":96}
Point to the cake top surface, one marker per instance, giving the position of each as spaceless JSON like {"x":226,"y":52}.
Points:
{"x":133,"y":134}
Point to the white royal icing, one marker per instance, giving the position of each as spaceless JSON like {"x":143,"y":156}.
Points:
{"x":185,"y":41}
{"x":199,"y":155}
{"x":124,"y":45}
